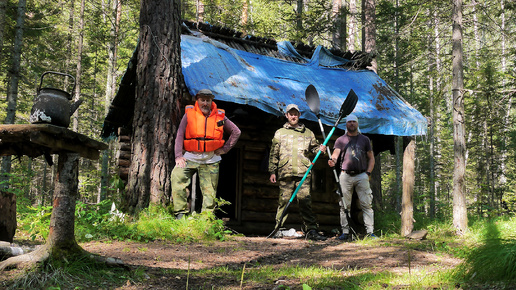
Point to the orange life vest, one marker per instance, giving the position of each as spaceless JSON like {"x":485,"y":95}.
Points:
{"x":204,"y":134}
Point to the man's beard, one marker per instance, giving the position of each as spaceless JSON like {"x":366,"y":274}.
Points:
{"x":353,"y":130}
{"x":205,"y":110}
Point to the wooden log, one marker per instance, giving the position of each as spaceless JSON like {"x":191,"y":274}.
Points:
{"x":255,"y":146}
{"x":266,"y":192}
{"x":261,"y":205}
{"x":125,"y":147}
{"x":124,"y":139}
{"x":252,"y":166}
{"x":248,"y":155}
{"x":124,"y":163}
{"x":261,"y":178}
{"x":124,"y":155}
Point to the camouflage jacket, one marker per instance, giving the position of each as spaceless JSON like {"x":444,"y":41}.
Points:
{"x":291,"y":150}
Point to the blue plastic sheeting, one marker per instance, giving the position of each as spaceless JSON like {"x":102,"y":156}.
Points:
{"x":270,"y":84}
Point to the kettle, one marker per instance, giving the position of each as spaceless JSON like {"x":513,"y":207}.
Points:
{"x":52,"y":105}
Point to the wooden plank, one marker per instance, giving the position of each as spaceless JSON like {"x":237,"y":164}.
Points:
{"x":34,"y":140}
{"x":46,"y":140}
{"x":268,"y":192}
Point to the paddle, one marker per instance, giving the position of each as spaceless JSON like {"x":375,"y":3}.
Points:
{"x":347,"y":107}
{"x":313,"y":101}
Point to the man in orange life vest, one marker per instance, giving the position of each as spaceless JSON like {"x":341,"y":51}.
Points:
{"x":198,"y":147}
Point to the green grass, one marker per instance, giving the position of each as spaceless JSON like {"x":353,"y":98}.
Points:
{"x":286,"y":277}
{"x":95,"y":222}
{"x":83,"y":271}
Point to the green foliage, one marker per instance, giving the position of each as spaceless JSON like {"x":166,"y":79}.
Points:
{"x":154,"y":223}
{"x":34,"y":221}
{"x":494,"y":260}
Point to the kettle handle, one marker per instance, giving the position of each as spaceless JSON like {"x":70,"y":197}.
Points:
{"x":57,"y":73}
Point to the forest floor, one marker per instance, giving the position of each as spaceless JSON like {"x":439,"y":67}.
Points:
{"x":254,"y":252}
{"x":173,"y":266}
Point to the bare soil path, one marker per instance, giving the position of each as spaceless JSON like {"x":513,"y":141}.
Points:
{"x":159,"y":259}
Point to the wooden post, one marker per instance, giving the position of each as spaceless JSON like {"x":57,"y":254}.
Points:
{"x":407,"y":203}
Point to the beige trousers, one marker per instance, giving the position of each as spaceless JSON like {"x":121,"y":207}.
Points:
{"x":360,"y":183}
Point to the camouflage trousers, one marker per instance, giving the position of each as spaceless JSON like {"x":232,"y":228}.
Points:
{"x":287,"y":187}
{"x":181,"y":178}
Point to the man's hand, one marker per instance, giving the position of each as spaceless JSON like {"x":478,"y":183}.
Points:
{"x":181,"y":162}
{"x":332,"y":162}
{"x":322,"y":148}
{"x":219,"y":152}
{"x":273,"y":178}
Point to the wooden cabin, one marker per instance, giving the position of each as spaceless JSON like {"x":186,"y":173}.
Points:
{"x":244,"y":178}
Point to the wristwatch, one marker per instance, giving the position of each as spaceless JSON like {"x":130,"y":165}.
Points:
{"x":368,"y":173}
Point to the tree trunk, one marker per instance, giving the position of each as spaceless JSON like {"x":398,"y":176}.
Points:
{"x":339,"y":16}
{"x":299,"y":15}
{"x":3,"y":5}
{"x":12,"y":97}
{"x":460,"y":217}
{"x":244,"y":18}
{"x":78,"y":72}
{"x":158,"y":96}
{"x":369,"y":29}
{"x":352,"y":42}
{"x":376,"y":183}
{"x":407,"y":208}
{"x":14,"y":74}
{"x":110,"y":89}
{"x":62,"y":221}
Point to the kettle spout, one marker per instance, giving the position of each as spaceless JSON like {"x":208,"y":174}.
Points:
{"x":74,"y":106}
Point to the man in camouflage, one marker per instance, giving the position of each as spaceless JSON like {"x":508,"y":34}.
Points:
{"x":292,"y":146}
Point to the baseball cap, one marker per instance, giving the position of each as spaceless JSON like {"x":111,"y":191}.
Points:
{"x":292,"y":106}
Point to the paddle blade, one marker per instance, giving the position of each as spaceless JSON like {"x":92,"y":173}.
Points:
{"x":349,"y":105}
{"x":312,"y":99}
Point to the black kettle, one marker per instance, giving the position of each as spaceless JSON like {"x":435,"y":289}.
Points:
{"x":52,"y":105}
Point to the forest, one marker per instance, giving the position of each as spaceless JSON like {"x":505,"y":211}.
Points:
{"x":94,"y":41}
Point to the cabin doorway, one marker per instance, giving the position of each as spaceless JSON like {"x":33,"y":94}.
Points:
{"x":228,"y":188}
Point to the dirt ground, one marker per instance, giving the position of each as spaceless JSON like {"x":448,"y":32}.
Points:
{"x":157,"y":257}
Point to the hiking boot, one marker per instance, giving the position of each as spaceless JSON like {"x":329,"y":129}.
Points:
{"x":371,"y":236}
{"x":315,"y":236}
{"x":343,"y":237}
{"x":179,"y":216}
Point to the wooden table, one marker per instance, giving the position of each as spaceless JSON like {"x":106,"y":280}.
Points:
{"x":44,"y":139}
{"x":34,"y":140}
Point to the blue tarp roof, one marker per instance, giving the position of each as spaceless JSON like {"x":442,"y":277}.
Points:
{"x":270,"y":84}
